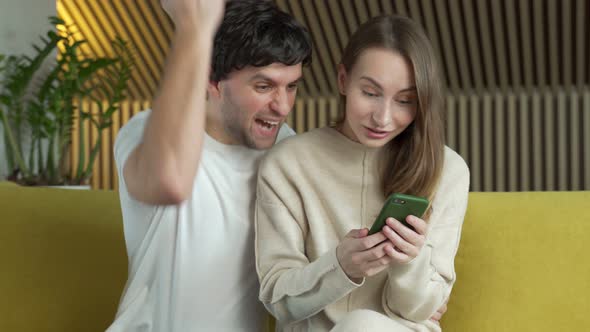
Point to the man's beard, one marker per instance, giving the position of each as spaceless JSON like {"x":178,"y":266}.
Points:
{"x":232,"y":127}
{"x":232,"y":124}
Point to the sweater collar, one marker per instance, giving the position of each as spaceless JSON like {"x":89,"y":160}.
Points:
{"x":352,"y":146}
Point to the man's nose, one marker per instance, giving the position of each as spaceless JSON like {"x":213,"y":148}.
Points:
{"x":281,"y":103}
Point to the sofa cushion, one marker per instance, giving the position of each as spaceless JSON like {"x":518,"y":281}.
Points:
{"x":523,"y":264}
{"x":64,"y":259}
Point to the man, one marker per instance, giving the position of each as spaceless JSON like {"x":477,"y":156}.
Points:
{"x":187,"y":168}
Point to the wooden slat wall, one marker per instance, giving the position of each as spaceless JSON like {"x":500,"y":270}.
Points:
{"x":104,"y":171}
{"x":142,"y":23}
{"x":483,"y":44}
{"x":524,"y":140}
{"x":515,"y":141}
{"x":508,"y":57}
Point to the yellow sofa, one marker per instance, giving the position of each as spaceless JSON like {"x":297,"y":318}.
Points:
{"x":522,"y":264}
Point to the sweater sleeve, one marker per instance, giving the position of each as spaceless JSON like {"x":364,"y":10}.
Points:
{"x":416,"y":290}
{"x":291,"y":287}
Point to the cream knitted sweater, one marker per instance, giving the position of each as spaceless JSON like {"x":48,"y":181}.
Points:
{"x":312,"y":190}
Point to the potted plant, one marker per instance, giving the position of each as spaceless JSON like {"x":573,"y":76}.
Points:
{"x":41,"y":105}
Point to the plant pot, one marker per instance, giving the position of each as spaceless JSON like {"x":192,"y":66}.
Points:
{"x":73,"y":187}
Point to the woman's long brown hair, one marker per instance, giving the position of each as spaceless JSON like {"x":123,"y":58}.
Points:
{"x":412,"y":162}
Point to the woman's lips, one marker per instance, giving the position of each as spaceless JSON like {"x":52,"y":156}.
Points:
{"x":376,"y":134}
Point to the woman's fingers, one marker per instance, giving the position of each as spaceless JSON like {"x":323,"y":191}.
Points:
{"x":373,"y":254}
{"x":416,"y":238}
{"x":369,"y":242}
{"x":398,"y":255}
{"x":400,"y":243}
{"x":419,"y":225}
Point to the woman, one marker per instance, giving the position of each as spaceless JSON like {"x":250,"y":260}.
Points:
{"x":319,"y":192}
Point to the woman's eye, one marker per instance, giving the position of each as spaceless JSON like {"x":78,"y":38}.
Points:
{"x":410,"y":102}
{"x":369,"y":94}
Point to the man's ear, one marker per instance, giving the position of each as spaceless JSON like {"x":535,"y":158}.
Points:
{"x":214,"y":89}
{"x":342,"y":79}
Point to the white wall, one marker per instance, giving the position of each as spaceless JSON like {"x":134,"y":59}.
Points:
{"x":21,"y":22}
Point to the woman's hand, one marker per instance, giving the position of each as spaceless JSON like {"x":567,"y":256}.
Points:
{"x":404,"y":243}
{"x":362,"y":256}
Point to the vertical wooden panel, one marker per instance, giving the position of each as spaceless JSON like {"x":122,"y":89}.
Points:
{"x":540,"y":51}
{"x":549,"y":135}
{"x":475,"y":142}
{"x":463,"y":115}
{"x":114,"y":132}
{"x":575,"y":138}
{"x":446,"y":43}
{"x":400,"y":7}
{"x":460,"y":41}
{"x":333,"y":110}
{"x":525,"y":142}
{"x":89,"y":140}
{"x":499,"y":124}
{"x":323,"y":114}
{"x":311,"y":115}
{"x":582,"y":54}
{"x":415,"y":12}
{"x":488,"y":150}
{"x":322,"y":53}
{"x":145,"y":41}
{"x":291,"y":117}
{"x":361,"y":10}
{"x":586,"y":138}
{"x":500,"y":48}
{"x":299,"y":124}
{"x":374,"y":9}
{"x":349,"y":16}
{"x":473,"y":43}
{"x":566,"y":38}
{"x":124,"y":28}
{"x":331,"y":36}
{"x":105,"y":159}
{"x":526,"y":42}
{"x":339,"y":22}
{"x":451,"y":134}
{"x":387,"y":6}
{"x":432,"y":30}
{"x":537,"y":152}
{"x":553,"y":43}
{"x":513,"y":44}
{"x":562,"y":143}
{"x":511,"y":136}
{"x":487,"y":45}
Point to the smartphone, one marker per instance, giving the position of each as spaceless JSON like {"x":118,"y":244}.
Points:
{"x":400,"y":206}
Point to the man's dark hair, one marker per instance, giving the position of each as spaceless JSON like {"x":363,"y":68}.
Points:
{"x":257,"y":33}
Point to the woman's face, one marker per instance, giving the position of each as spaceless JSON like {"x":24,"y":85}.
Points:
{"x":381,"y":97}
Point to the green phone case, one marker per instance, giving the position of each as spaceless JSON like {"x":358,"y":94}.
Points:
{"x":400,"y":206}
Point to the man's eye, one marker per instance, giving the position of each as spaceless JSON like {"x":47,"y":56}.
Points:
{"x":263,"y":88}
